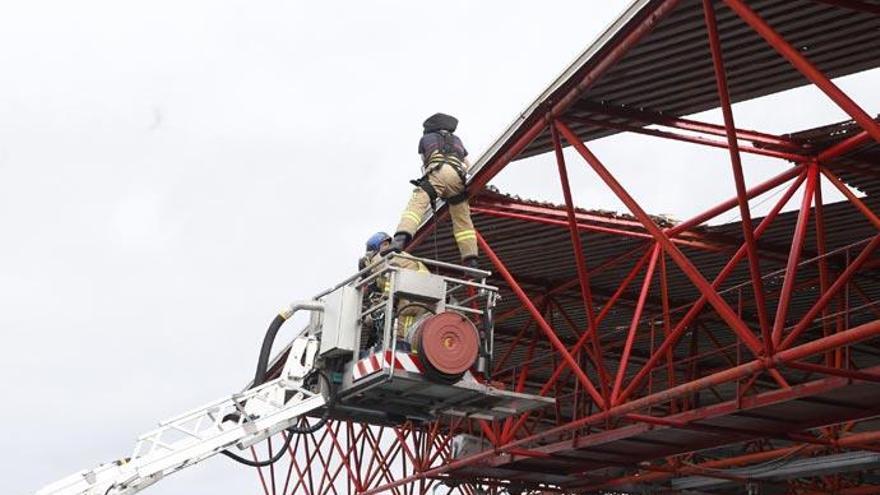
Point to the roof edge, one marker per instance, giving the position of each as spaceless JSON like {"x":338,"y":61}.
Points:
{"x":635,"y":9}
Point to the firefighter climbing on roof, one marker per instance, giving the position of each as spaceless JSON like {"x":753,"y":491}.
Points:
{"x":379,"y":245}
{"x":444,"y":176}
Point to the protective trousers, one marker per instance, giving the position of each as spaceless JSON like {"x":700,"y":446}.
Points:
{"x":447,"y":183}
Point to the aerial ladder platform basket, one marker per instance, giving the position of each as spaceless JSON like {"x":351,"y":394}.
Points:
{"x":348,"y":364}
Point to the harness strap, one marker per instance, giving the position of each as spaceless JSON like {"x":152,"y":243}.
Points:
{"x":458,"y":198}
{"x":424,"y":184}
{"x":437,"y":159}
{"x":448,"y":147}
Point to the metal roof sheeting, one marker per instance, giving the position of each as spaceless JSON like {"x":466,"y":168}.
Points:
{"x":670,"y":70}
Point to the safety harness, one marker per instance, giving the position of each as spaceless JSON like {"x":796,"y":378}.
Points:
{"x":449,"y":153}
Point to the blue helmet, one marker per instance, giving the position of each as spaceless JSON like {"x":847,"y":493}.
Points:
{"x":376,"y":240}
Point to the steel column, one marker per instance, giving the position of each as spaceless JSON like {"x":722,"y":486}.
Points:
{"x":794,"y":256}
{"x":580,"y":264}
{"x":738,"y":176}
{"x":634,"y":325}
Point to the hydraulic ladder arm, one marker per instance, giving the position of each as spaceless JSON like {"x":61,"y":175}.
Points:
{"x":240,"y":420}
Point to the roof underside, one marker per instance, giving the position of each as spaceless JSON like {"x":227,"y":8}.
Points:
{"x":670,"y":71}
{"x":858,"y":167}
{"x":540,"y":257}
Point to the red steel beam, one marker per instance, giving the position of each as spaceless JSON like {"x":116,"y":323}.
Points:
{"x":571,"y":283}
{"x":794,"y":255}
{"x":345,"y":456}
{"x":583,"y":338}
{"x":620,"y":48}
{"x":634,"y":325}
{"x":714,"y":143}
{"x":667,"y":327}
{"x":843,"y":147}
{"x":555,"y":215}
{"x":832,"y":291}
{"x":540,"y":321}
{"x":719,"y":209}
{"x":646,"y":117}
{"x":831,"y":370}
{"x":821,"y":250}
{"x":593,"y":228}
{"x":501,"y":362}
{"x":723,"y":309}
{"x":588,"y":79}
{"x":805,"y":67}
{"x":575,"y":330}
{"x":836,"y":182}
{"x":738,"y":176}
{"x":508,"y":204}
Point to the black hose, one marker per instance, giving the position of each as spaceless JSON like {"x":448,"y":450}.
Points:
{"x":259,"y":379}
{"x":263,"y":360}
{"x":293,"y":429}
{"x":268,"y":462}
{"x":266,"y":349}
{"x":325,"y":416}
{"x":485,"y":349}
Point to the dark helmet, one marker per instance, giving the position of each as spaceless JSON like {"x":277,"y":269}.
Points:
{"x":440,"y":122}
{"x":376,"y":240}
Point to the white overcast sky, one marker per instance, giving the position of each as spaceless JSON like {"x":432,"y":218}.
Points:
{"x":173,"y":172}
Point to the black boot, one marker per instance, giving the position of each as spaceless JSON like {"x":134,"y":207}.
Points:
{"x":401,"y":239}
{"x":471,"y":262}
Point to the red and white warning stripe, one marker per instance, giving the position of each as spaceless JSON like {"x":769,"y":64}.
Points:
{"x":405,"y":361}
{"x":373,"y":363}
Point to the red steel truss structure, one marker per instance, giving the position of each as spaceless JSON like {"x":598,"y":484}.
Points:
{"x":684,"y":358}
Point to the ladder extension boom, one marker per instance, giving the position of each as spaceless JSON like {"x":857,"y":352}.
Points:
{"x":240,"y":420}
